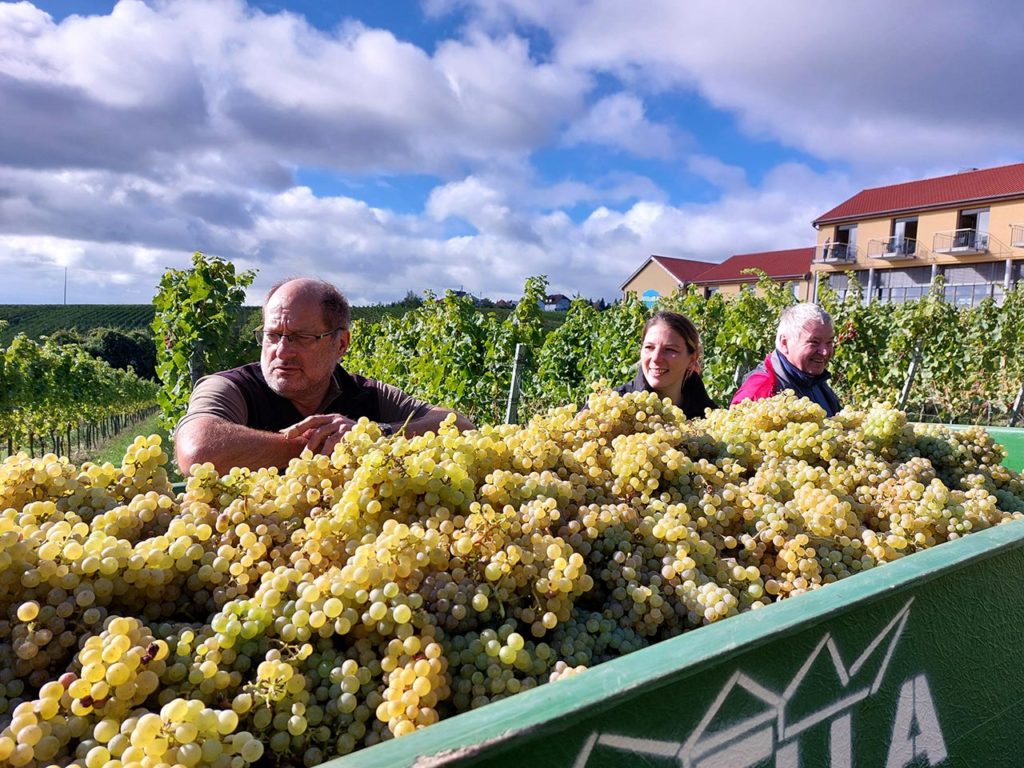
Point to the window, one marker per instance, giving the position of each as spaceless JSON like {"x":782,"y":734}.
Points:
{"x":841,"y":245}
{"x":844,"y":244}
{"x":900,"y":285}
{"x":903,"y":241}
{"x":840,"y":283}
{"x":972,"y":230}
{"x":968,"y":285}
{"x":710,"y":289}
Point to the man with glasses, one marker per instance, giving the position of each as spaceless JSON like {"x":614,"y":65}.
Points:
{"x":298,"y":396}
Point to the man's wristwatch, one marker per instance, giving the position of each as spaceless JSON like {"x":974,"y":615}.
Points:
{"x":386,"y":429}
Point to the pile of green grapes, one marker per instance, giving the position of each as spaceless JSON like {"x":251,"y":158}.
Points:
{"x":284,"y":618}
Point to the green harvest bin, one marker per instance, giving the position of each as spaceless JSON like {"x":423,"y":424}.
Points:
{"x":916,"y":663}
{"x":1010,"y":438}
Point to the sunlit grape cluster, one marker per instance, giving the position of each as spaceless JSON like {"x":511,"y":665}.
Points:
{"x":287,"y":617}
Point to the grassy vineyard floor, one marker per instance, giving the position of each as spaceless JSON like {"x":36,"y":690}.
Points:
{"x":113,"y":449}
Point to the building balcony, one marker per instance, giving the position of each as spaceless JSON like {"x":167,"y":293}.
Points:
{"x":1017,"y":235}
{"x":893,"y":249}
{"x":837,"y":253}
{"x":961,"y":241}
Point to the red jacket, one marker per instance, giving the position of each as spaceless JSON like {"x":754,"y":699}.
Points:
{"x":770,"y":378}
{"x":759,"y":384}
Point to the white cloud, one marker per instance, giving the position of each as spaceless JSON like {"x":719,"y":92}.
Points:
{"x":619,"y":121}
{"x":871,"y":83}
{"x":199,"y":76}
{"x":129,"y":140}
{"x":377,"y":255}
{"x":722,"y":175}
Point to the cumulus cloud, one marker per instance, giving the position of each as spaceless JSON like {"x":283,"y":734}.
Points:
{"x":181,"y":126}
{"x":618,"y":121}
{"x":130,"y":139}
{"x":375,"y":254}
{"x":720,"y":174}
{"x":114,"y":91}
{"x":870,"y":83}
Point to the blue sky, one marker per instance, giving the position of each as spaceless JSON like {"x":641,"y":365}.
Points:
{"x":401,"y":145}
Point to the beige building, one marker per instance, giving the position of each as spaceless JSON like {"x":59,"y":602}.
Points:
{"x":663,"y":276}
{"x":791,"y":267}
{"x":967,"y":227}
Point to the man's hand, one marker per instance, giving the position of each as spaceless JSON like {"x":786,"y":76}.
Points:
{"x":321,"y":431}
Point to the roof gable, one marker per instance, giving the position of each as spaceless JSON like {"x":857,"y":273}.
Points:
{"x":794,"y":263}
{"x":683,"y":270}
{"x":989,"y":184}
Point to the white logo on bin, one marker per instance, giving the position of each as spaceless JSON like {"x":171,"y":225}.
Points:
{"x":776,"y":732}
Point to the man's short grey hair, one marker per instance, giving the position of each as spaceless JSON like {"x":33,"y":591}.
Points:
{"x":794,"y":318}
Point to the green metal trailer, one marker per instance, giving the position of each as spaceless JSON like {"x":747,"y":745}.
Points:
{"x":1013,"y":440}
{"x":916,"y":663}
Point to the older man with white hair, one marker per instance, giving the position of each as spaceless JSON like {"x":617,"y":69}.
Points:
{"x":804,"y":345}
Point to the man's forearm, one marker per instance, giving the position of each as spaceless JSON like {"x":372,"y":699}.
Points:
{"x":226,"y":444}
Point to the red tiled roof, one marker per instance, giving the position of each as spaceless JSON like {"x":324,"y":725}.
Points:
{"x":683,"y":270}
{"x":794,"y":263}
{"x":987,"y":184}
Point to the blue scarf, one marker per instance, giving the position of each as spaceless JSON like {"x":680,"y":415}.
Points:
{"x":806,"y":385}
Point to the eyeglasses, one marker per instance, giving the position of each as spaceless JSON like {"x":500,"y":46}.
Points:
{"x":302,"y":340}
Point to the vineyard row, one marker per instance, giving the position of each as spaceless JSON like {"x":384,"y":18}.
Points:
{"x":969,"y":368}
{"x":52,"y":396}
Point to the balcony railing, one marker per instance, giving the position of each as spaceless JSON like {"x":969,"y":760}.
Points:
{"x":960,"y":241}
{"x":838,"y":253}
{"x":1017,"y":235}
{"x":893,"y":248}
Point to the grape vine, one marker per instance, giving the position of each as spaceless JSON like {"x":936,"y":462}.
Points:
{"x":195,"y":327}
{"x":449,"y":353}
{"x":48,"y":389}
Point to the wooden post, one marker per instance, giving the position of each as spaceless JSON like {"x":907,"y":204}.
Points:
{"x":196,"y":366}
{"x":511,"y":409}
{"x":915,"y":360}
{"x":1017,"y":404}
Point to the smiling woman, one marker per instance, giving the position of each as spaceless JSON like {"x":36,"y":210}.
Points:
{"x":670,"y":364}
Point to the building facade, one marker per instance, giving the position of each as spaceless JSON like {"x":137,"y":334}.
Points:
{"x":791,"y":267}
{"x":663,"y":276}
{"x":897,"y":240}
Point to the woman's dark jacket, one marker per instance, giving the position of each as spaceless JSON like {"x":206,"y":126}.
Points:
{"x":695,"y":396}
